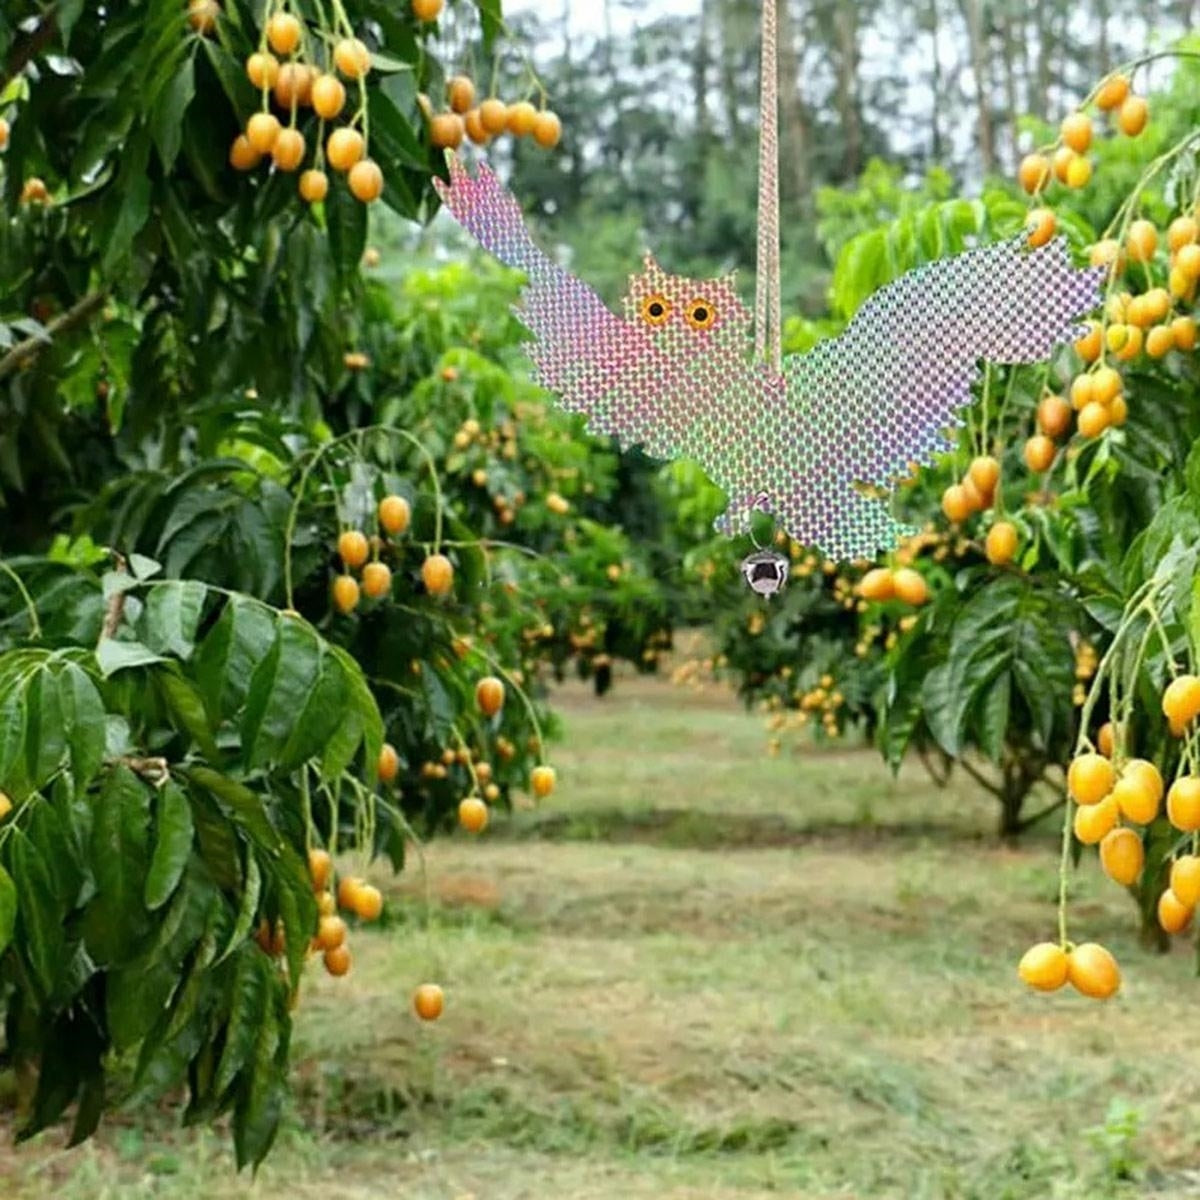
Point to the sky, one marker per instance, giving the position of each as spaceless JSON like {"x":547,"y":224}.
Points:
{"x":587,"y":16}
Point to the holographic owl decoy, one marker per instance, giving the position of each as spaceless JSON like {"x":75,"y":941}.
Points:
{"x":820,"y":444}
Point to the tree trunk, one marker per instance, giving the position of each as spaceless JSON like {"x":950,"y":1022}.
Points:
{"x":793,"y":113}
{"x":730,"y":43}
{"x":1010,"y":88}
{"x":1045,"y":43}
{"x":973,"y":15}
{"x":845,"y":32}
{"x":935,"y":121}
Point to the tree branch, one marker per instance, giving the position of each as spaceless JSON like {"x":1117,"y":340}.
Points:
{"x":31,"y":347}
{"x":25,"y":51}
{"x":981,"y":779}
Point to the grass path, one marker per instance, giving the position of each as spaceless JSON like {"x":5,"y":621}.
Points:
{"x":703,"y":973}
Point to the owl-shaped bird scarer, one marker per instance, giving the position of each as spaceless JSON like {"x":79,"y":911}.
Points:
{"x":821,"y":444}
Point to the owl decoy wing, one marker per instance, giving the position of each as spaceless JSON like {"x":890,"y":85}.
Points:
{"x":883,"y":395}
{"x":583,"y":352}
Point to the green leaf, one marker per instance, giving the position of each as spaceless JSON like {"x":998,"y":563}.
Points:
{"x":492,"y":21}
{"x":45,"y":728}
{"x":297,"y":907}
{"x":87,"y":724}
{"x":8,"y":909}
{"x":39,"y":920}
{"x":172,"y":845}
{"x":251,"y":998}
{"x":227,"y":657}
{"x":187,"y":711}
{"x":113,"y":656}
{"x":172,"y":615}
{"x":248,"y":909}
{"x":346,"y":221}
{"x":132,"y":193}
{"x":143,"y":568}
{"x":244,"y":806}
{"x":280,"y":689}
{"x":169,"y":109}
{"x":116,"y":921}
{"x":260,"y":1097}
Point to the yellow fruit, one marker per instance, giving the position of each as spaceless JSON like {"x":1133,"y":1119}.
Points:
{"x":1112,"y":92}
{"x":446,"y":131}
{"x":1183,"y":803}
{"x":473,"y":814}
{"x":910,"y":586}
{"x":288,"y":150}
{"x":353,"y":548}
{"x":1118,"y":411}
{"x":428,"y":999}
{"x":1142,"y":240}
{"x":328,"y":96}
{"x":1105,"y":739}
{"x":1183,"y":331}
{"x":1034,"y":172}
{"x":1001,"y":543}
{"x":331,"y":932}
{"x":1039,"y":453}
{"x":1089,"y":346}
{"x":262,"y":70}
{"x":344,"y":148}
{"x":242,"y":155}
{"x":547,"y":130}
{"x":1182,"y":232}
{"x":541,"y":781}
{"x":1188,"y":261}
{"x":326,"y":904}
{"x":956,"y":503}
{"x":366,"y":181}
{"x":460,"y":92}
{"x":493,"y":116}
{"x":314,"y":186}
{"x":1122,"y":856}
{"x":283,"y":33}
{"x":1094,"y":821}
{"x":1173,"y":915}
{"x":395,"y":514}
{"x":1132,"y":345}
{"x":1093,"y":971}
{"x":1090,"y":778}
{"x":367,"y":903}
{"x":319,"y":867}
{"x":985,"y":473}
{"x":376,"y":580}
{"x":337,"y":961}
{"x":1079,"y":172}
{"x":1133,"y":115}
{"x":437,"y":572}
{"x":352,"y":58}
{"x":489,"y":695}
{"x":1140,"y":800}
{"x":1160,"y":341}
{"x":345,"y":594}
{"x":1106,"y":384}
{"x":521,"y":118}
{"x":261,"y":131}
{"x":877,"y":585}
{"x":1185,"y":880}
{"x":6,"y":805}
{"x":1053,"y":415}
{"x":1107,"y":253}
{"x":1077,"y":132}
{"x":976,"y":500}
{"x":203,"y":14}
{"x":1081,"y":392}
{"x":1044,"y":967}
{"x":1093,"y":420}
{"x":1181,"y":700}
{"x":1063,"y":157}
{"x":474,"y":127}
{"x":388,"y":765}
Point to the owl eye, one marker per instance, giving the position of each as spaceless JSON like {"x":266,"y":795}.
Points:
{"x":701,"y":314}
{"x":656,"y":309}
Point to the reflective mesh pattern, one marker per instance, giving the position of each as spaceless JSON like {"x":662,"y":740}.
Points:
{"x":675,"y":374}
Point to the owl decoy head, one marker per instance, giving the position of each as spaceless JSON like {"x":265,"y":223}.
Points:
{"x":685,"y":316}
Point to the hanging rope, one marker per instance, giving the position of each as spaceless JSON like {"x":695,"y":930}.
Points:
{"x":767,"y":315}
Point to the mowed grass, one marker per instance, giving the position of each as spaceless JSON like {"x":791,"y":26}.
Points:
{"x":703,"y":973}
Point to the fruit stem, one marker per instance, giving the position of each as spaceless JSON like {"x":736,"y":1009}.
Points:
{"x":35,"y":628}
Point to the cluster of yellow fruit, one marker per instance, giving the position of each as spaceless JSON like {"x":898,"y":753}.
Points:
{"x":1106,"y":793}
{"x":975,"y":493}
{"x":6,"y":805}
{"x":1069,"y":164}
{"x":487,"y":120}
{"x":354,"y":548}
{"x":904,"y":584}
{"x":295,"y":84}
{"x":353,"y":895}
